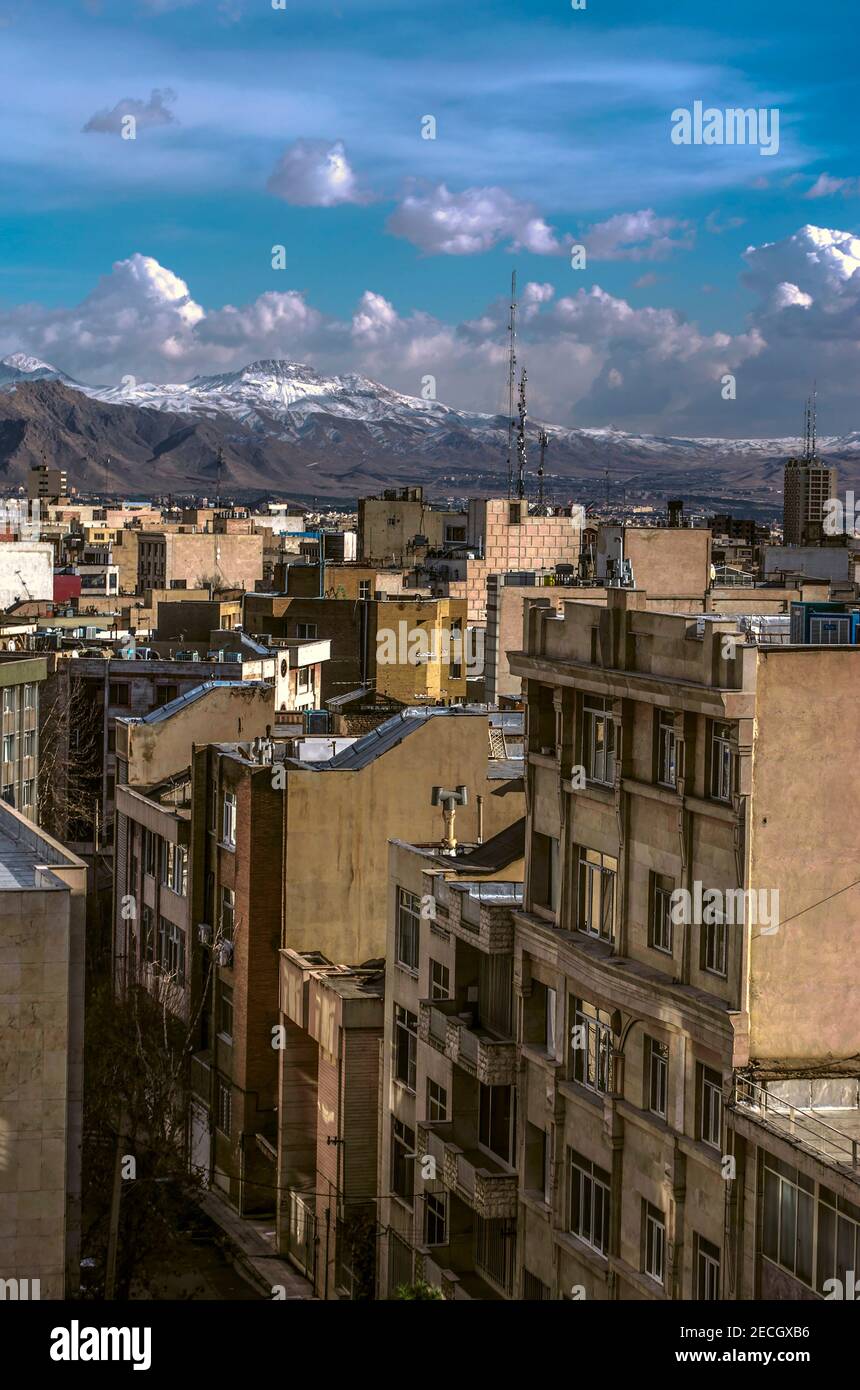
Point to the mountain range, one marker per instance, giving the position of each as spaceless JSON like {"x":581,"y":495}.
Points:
{"x":285,"y":428}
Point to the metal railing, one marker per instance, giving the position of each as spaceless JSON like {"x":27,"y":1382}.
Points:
{"x":803,"y":1125}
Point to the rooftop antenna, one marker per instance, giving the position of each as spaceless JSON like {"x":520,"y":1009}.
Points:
{"x":543,"y":440}
{"x":512,"y":379}
{"x":814,"y":417}
{"x":219,"y":464}
{"x":521,"y":439}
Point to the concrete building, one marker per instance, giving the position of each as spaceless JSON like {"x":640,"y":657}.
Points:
{"x":46,"y":484}
{"x":447,"y":1147}
{"x":293,"y":855}
{"x":412,"y":651}
{"x":807,"y":485}
{"x":20,"y":679}
{"x":199,"y":559}
{"x":26,"y":571}
{"x":663,"y":764}
{"x":42,"y":911}
{"x":399,"y":525}
{"x":328,"y":1091}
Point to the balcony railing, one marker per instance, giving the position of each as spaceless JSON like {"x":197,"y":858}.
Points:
{"x":803,"y":1125}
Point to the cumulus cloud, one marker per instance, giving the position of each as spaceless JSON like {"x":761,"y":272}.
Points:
{"x":154,"y":112}
{"x":826,"y":187}
{"x":315,"y":173}
{"x":440,"y":222}
{"x":637,"y":236}
{"x":592,"y":357}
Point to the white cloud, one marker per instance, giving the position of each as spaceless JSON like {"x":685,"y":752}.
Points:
{"x":826,"y":186}
{"x":592,"y":357}
{"x":637,"y":236}
{"x":154,"y":112}
{"x":462,"y":224}
{"x":717,"y":227}
{"x":315,"y":173}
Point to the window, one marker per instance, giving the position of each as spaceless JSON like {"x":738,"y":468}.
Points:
{"x":30,"y":696}
{"x":722,"y":753}
{"x":150,"y":845}
{"x":660,"y":920}
{"x":598,"y":739}
{"x":437,"y":1101}
{"x":111,"y":740}
{"x":30,"y":743}
{"x":223,"y":1107}
{"x":8,"y":699}
{"x":8,"y":748}
{"x":118,"y":693}
{"x":654,"y":1257}
{"x":165,"y":693}
{"x":408,"y":922}
{"x":789,"y":1218}
{"x":657,"y":1076}
{"x":514,"y":513}
{"x":172,"y":950}
{"x":225,"y":1011}
{"x":9,"y":793}
{"x":596,"y":896}
{"x":440,"y":980}
{"x":228,"y":913}
{"x":551,"y":1038}
{"x":707,"y":1266}
{"x":710,"y":1106}
{"x":667,"y":769}
{"x":588,"y":1201}
{"x":174,"y":867}
{"x":228,"y":820}
{"x":402,"y":1161}
{"x":27,"y":793}
{"x":306,"y":630}
{"x":364,"y":588}
{"x":838,"y":1239}
{"x":494,"y":1249}
{"x":213,"y":808}
{"x":405,"y":1046}
{"x":436,"y":1219}
{"x":496,"y":1120}
{"x":590,"y":1048}
{"x":545,"y":871}
{"x":715,"y":947}
{"x":303,"y":680}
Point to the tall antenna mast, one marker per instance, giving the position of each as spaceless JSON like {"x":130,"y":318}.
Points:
{"x":543,"y":440}
{"x":220,"y":464}
{"x":512,"y":379}
{"x":521,"y":439}
{"x":814,"y":416}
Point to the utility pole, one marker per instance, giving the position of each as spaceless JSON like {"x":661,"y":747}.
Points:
{"x":512,"y":379}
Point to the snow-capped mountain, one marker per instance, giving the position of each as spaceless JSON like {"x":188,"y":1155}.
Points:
{"x":18,"y":367}
{"x":275,"y":420}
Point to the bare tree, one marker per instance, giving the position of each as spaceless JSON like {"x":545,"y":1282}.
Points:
{"x":70,"y":753}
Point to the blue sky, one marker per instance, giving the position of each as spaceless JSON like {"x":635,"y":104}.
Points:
{"x":562,"y":114}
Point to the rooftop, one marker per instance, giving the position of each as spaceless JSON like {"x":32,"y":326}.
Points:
{"x":27,"y":856}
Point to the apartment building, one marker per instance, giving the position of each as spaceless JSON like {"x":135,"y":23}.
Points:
{"x":807,"y":484}
{"x":400,"y":524}
{"x":293,"y":855}
{"x":26,"y":571}
{"x":448,"y":1176}
{"x":412,"y":651}
{"x":331,"y":1022}
{"x":666,"y":761}
{"x":199,"y":559}
{"x":20,"y":680}
{"x":42,"y":910}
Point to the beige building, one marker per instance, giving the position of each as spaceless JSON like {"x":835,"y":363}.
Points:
{"x":807,"y":484}
{"x":42,"y":911}
{"x":447,"y":1172}
{"x":199,"y":559}
{"x":663,"y":776}
{"x":399,"y":525}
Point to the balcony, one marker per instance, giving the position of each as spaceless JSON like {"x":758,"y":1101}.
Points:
{"x":481,"y":1052}
{"x":455,"y":1284}
{"x":836,"y":1139}
{"x":484,"y":1183}
{"x":480,"y":913}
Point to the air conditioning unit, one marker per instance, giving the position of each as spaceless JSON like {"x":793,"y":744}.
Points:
{"x":204,"y":933}
{"x":225,"y":953}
